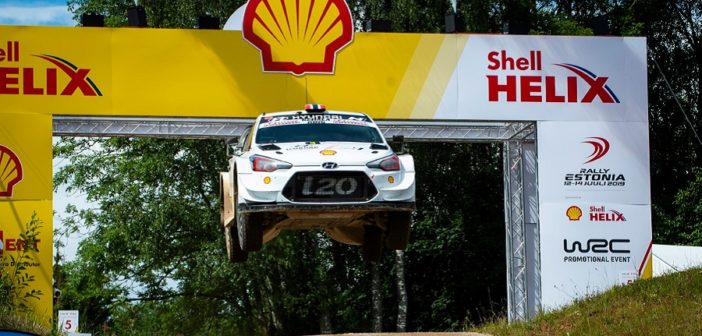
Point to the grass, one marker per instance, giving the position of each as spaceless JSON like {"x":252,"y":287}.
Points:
{"x":20,"y":321}
{"x":667,"y":305}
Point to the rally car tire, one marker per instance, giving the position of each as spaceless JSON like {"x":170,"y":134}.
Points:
{"x":234,"y":252}
{"x":372,"y":248}
{"x":250,"y":232}
{"x":248,"y":226}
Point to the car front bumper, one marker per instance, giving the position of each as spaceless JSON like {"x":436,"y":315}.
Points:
{"x":262,"y":191}
{"x":326,"y":207}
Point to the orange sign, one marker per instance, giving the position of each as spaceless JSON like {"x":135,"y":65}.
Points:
{"x":298,"y":36}
{"x":10,"y":171}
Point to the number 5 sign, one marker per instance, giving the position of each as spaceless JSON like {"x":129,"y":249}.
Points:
{"x":68,"y":320}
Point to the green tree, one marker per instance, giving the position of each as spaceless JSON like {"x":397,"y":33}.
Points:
{"x":673,"y":30}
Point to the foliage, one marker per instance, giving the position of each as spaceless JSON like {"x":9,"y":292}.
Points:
{"x":666,"y":305}
{"x":155,"y":253}
{"x":159,"y":13}
{"x":459,"y":230}
{"x":16,"y":294}
{"x":685,"y":225}
{"x":673,"y":30}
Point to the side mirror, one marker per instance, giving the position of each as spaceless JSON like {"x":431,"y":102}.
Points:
{"x":398,"y":144}
{"x":231,"y":144}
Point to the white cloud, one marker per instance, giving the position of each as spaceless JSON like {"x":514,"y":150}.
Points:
{"x":40,"y":15}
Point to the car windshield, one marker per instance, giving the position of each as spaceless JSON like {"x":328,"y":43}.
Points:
{"x":323,"y":128}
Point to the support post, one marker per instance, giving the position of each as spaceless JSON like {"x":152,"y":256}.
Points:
{"x":515,"y":243}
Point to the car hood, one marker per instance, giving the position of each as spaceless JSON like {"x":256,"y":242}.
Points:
{"x":344,"y":153}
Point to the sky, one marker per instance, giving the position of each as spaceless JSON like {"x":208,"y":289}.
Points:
{"x":35,"y":13}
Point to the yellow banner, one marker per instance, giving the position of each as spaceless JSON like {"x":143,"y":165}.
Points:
{"x":197,"y":73}
{"x":26,"y":233}
{"x":26,"y":229}
{"x":25,"y":157}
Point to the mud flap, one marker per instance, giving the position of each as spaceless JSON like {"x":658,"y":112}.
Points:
{"x":226,"y":200}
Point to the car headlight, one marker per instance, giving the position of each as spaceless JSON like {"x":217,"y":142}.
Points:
{"x":266,"y":164}
{"x":388,"y":163}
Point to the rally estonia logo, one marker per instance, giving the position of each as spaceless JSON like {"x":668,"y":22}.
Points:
{"x":298,"y":36}
{"x":600,"y":147}
{"x":10,"y":171}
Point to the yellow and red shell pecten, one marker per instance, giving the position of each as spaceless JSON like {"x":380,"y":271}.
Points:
{"x":298,"y":36}
{"x":10,"y":171}
{"x":574,"y":213}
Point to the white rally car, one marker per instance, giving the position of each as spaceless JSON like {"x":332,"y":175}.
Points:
{"x":316,"y":169}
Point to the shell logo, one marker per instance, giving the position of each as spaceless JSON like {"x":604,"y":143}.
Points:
{"x":574,"y":213}
{"x":328,"y":152}
{"x":10,"y":171}
{"x":298,"y":36}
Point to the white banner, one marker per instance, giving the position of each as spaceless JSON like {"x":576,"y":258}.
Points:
{"x":587,"y":247}
{"x":548,"y":78}
{"x":594,"y":161}
{"x":594,"y":211}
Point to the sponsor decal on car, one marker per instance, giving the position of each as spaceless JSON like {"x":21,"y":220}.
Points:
{"x":300,"y":147}
{"x":326,"y":118}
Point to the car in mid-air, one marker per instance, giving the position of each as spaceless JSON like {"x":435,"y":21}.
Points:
{"x":316,"y":169}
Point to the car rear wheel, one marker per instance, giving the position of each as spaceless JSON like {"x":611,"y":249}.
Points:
{"x":398,"y":230}
{"x":234,"y":252}
{"x":372,"y":248}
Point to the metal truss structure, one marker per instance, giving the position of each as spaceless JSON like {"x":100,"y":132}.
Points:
{"x":522,"y":234}
{"x":213,"y":128}
{"x":520,"y":184}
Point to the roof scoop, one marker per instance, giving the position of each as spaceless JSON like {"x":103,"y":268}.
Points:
{"x":269,"y":147}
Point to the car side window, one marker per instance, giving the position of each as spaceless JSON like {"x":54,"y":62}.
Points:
{"x":248,"y":139}
{"x":244,"y":139}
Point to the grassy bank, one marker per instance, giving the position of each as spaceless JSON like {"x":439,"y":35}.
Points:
{"x":27,"y":322}
{"x":667,"y":305}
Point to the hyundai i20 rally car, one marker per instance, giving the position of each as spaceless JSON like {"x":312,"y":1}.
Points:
{"x":316,"y":169}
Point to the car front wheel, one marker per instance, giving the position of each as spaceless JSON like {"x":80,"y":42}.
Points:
{"x":250,"y":231}
{"x":234,"y":252}
{"x":248,"y":226}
